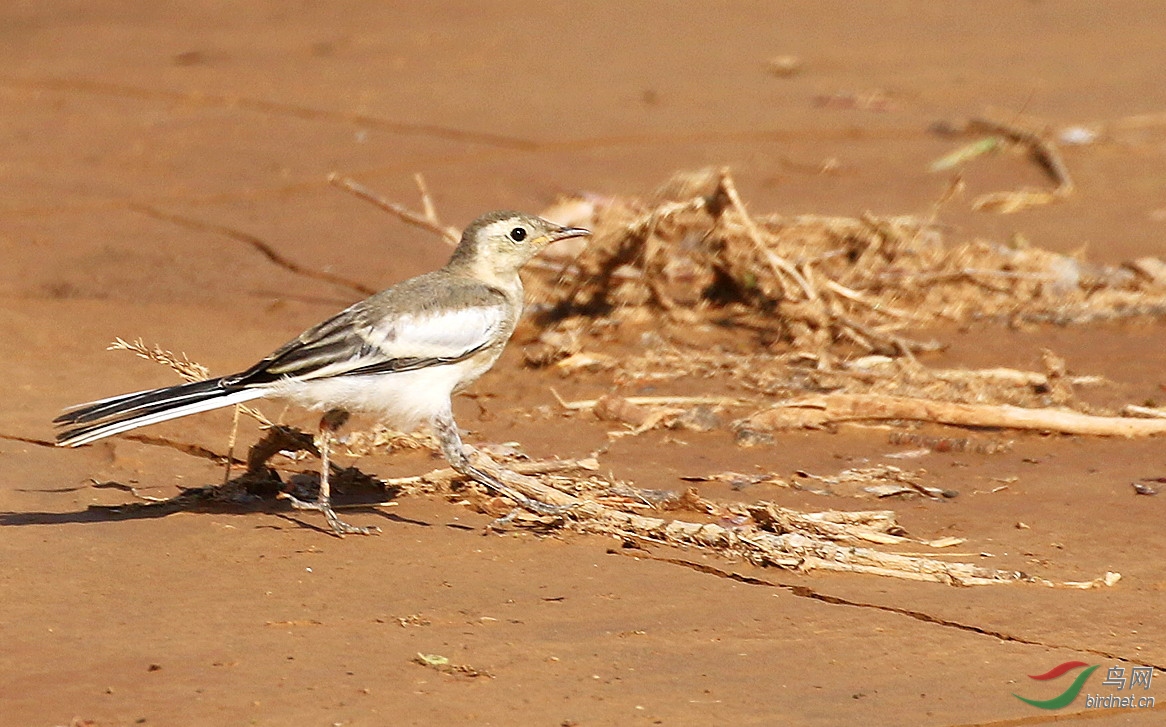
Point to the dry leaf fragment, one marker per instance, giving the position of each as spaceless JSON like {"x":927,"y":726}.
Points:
{"x":442,"y":664}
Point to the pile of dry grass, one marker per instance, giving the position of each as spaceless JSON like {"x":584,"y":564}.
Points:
{"x":691,"y":253}
{"x":830,"y":304}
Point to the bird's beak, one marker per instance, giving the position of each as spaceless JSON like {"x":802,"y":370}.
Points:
{"x":565,"y":233}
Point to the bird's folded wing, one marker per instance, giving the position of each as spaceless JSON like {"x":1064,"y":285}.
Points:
{"x":367,"y":340}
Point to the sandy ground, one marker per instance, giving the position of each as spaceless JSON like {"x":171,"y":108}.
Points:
{"x":133,"y":135}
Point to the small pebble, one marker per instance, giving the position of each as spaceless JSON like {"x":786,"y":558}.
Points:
{"x":1141,"y":488}
{"x":1077,"y":136}
{"x":785,"y":66}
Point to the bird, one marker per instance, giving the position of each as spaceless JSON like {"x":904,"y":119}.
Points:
{"x":399,"y":355}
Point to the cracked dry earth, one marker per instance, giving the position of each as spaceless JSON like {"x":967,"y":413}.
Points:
{"x":164,"y":177}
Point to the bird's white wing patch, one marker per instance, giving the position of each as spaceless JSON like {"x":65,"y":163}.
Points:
{"x":445,"y":333}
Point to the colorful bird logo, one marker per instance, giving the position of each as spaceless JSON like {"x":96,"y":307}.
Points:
{"x":1066,"y":697}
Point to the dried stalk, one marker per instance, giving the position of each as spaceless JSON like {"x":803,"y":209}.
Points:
{"x":585,"y":404}
{"x":179,"y":363}
{"x":426,"y":220}
{"x":817,"y":411}
{"x":779,"y":264}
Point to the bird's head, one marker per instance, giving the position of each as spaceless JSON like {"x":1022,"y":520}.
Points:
{"x":502,"y":242}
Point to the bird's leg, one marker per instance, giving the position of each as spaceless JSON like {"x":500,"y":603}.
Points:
{"x":329,"y":423}
{"x":445,"y":428}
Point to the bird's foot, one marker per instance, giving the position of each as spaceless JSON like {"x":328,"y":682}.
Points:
{"x":338,"y":526}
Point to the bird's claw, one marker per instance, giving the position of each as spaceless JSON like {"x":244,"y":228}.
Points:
{"x":339,"y":527}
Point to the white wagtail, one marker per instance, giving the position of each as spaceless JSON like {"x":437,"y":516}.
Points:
{"x":400,"y":354}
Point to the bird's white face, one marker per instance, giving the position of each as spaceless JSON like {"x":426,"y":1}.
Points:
{"x":507,"y":240}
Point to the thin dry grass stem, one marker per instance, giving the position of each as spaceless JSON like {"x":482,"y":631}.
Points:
{"x":426,"y":220}
{"x":955,"y":187}
{"x":427,"y":206}
{"x":653,"y":401}
{"x":179,"y":363}
{"x":779,"y":264}
{"x":255,"y":414}
{"x":1144,"y":411}
{"x":874,"y":305}
{"x":438,"y":481}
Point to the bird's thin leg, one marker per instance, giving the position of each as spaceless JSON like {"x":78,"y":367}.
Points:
{"x":329,"y":423}
{"x":445,"y":428}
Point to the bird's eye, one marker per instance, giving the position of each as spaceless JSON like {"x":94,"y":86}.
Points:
{"x":518,"y":234}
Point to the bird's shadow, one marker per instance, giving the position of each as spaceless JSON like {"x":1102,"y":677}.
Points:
{"x":258,"y":489}
{"x":352,"y":490}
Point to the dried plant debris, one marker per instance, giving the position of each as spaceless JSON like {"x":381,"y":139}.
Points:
{"x":761,"y":533}
{"x":440,"y":663}
{"x":767,"y":535}
{"x":928,"y":443}
{"x":879,"y":481}
{"x":886,"y":390}
{"x":691,"y":254}
{"x":641,"y":414}
{"x":1036,"y":141}
{"x":386,"y":440}
{"x":739,"y":481}
{"x":810,"y":306}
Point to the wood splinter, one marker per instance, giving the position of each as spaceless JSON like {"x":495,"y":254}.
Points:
{"x":818,"y":411}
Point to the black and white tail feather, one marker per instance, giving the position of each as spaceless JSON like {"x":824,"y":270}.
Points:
{"x":90,"y":422}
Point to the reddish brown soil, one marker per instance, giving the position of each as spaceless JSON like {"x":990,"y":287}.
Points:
{"x":117,"y":117}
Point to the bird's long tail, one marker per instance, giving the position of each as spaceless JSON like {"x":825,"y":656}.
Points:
{"x":89,"y":422}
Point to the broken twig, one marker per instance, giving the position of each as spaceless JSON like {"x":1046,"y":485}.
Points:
{"x":817,"y":411}
{"x":427,"y":220}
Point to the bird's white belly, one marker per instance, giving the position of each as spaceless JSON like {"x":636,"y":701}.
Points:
{"x":403,"y":400}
